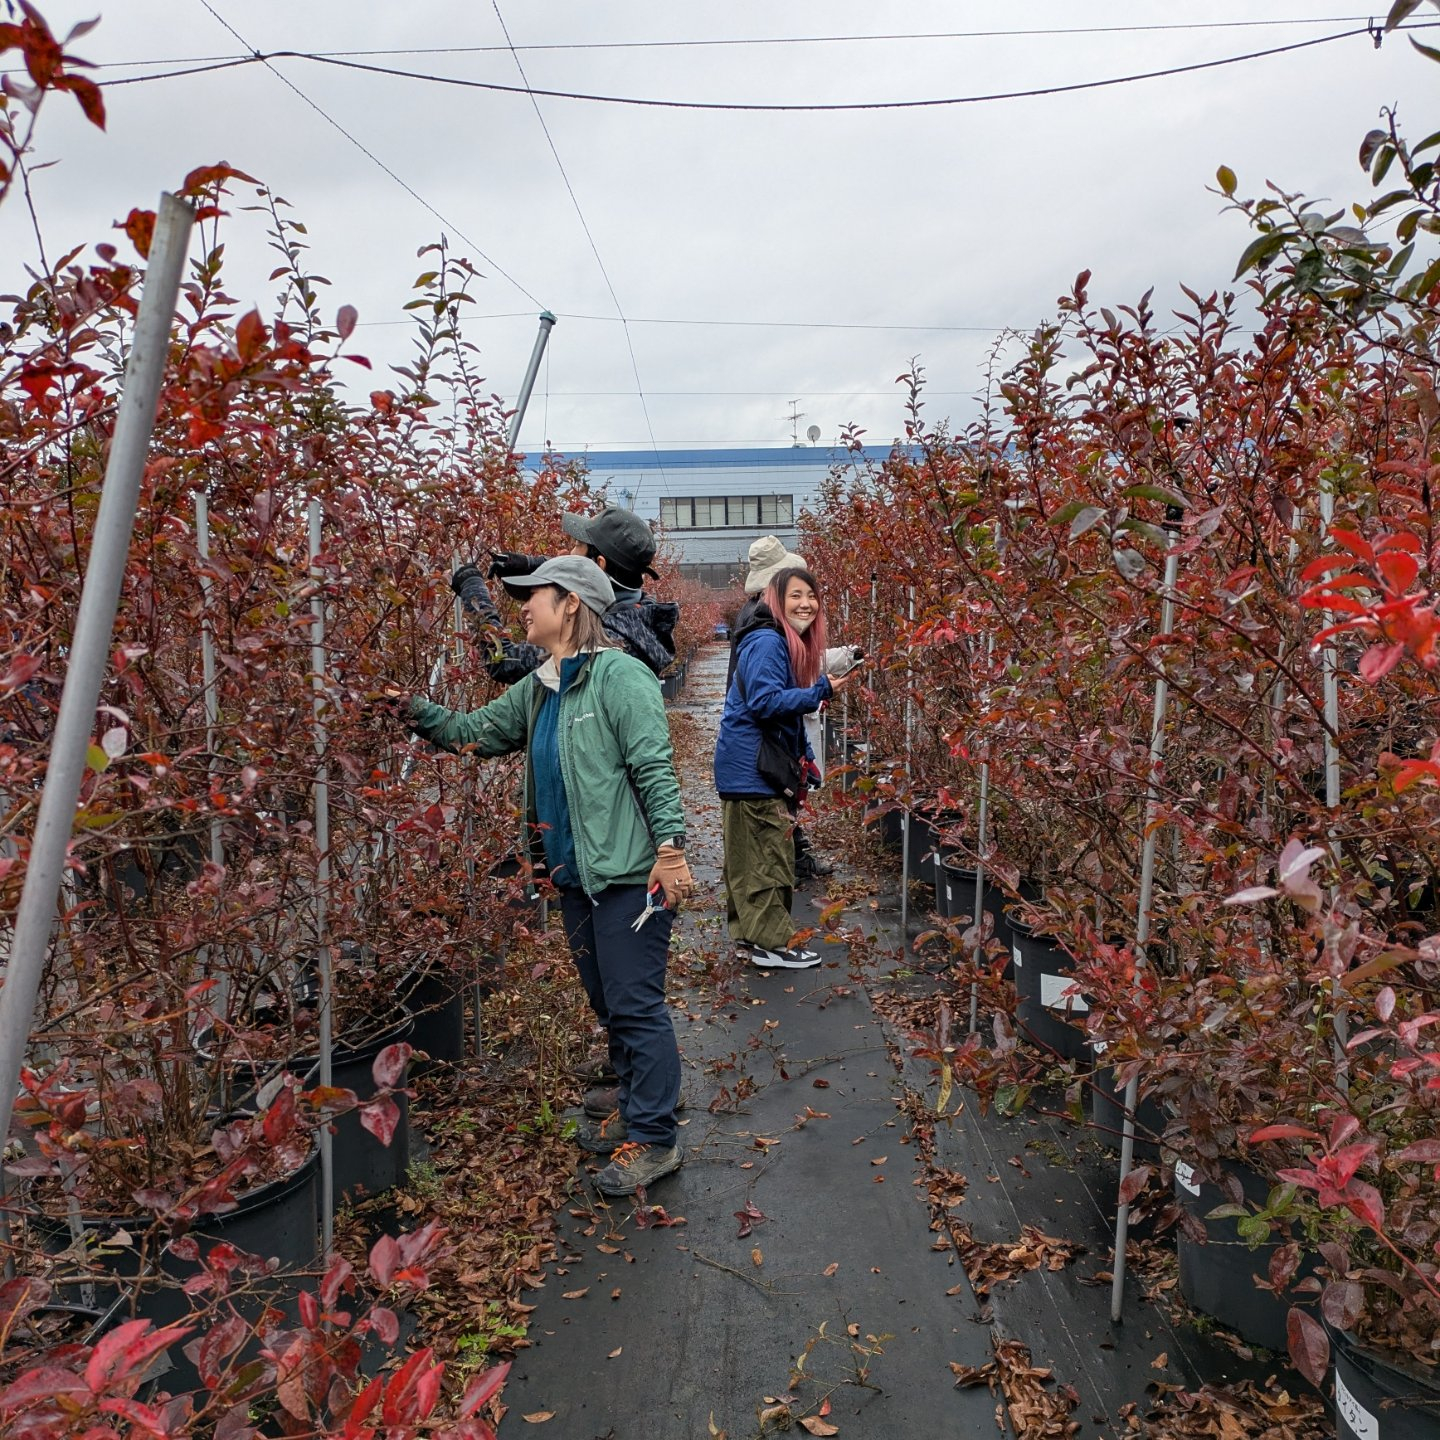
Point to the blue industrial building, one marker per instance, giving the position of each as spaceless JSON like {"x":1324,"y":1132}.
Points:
{"x":710,"y":504}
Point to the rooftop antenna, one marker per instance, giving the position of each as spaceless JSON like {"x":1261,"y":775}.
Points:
{"x":813,"y":434}
{"x":795,"y":416}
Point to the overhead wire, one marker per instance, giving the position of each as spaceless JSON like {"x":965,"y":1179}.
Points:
{"x":774,"y":108}
{"x":370,"y":155}
{"x":757,"y":324}
{"x":594,"y":248}
{"x":745,"y":41}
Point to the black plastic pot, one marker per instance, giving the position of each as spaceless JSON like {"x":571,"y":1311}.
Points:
{"x":1382,"y":1397}
{"x":436,"y":998}
{"x":920,"y":846}
{"x":891,"y":827}
{"x":1047,"y":1007}
{"x":1218,"y":1277}
{"x":1107,"y":1115}
{"x":278,"y":1221}
{"x":363,"y":1166}
{"x":955,"y":896}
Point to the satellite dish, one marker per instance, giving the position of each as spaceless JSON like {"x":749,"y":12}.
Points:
{"x":813,"y":434}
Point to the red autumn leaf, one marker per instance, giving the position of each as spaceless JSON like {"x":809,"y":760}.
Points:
{"x":380,"y":1116}
{"x":390,"y":1064}
{"x":345,"y":321}
{"x":1379,"y":660}
{"x":250,"y":335}
{"x":1309,"y":1346}
{"x":20,"y":671}
{"x":1134,"y":1183}
{"x":385,"y":1258}
{"x":1281,"y":1132}
{"x":87,"y":92}
{"x":483,"y":1387}
{"x":139,"y":225}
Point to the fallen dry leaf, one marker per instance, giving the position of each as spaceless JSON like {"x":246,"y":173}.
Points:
{"x":615,"y":1353}
{"x":1161,"y":1360}
{"x":575,"y":1294}
{"x":832,"y":1267}
{"x":538,"y":1417}
{"x":756,"y":1258}
{"x":816,"y":1426}
{"x":880,"y":1160}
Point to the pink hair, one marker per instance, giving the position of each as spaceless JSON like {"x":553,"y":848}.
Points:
{"x":807,"y":651}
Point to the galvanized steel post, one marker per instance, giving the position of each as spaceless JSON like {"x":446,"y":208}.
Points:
{"x":90,"y":648}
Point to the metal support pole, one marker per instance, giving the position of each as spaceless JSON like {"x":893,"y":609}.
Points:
{"x":1147,"y":887}
{"x":547,"y":324}
{"x":845,"y":757}
{"x":906,"y":818}
{"x":90,"y":647}
{"x":319,"y":704}
{"x":874,"y":601}
{"x":1331,"y":677}
{"x":207,"y":662}
{"x":982,"y":839}
{"x":1331,"y":687}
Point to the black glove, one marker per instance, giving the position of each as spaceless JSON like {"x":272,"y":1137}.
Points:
{"x":466,"y":573}
{"x":511,"y":562}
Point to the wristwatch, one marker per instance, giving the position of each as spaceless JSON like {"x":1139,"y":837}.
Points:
{"x":676,"y":841}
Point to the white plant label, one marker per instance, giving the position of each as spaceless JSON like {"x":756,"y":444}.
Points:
{"x":1016,"y":956}
{"x":1353,"y":1415}
{"x":1057,"y":992}
{"x":1185,"y":1175}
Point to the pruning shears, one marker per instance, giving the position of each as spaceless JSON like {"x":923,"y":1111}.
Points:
{"x":652,"y":904}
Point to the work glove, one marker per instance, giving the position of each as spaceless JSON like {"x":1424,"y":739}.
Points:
{"x":810,"y":773}
{"x":673,"y":876}
{"x":511,"y":562}
{"x":467,"y":574}
{"x":391,"y":704}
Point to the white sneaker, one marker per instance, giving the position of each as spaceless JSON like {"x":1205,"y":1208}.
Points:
{"x":783,"y":959}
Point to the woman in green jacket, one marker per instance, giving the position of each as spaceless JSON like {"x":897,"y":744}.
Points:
{"x":603,"y":809}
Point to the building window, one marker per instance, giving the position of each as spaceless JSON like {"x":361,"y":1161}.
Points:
{"x":720,"y":512}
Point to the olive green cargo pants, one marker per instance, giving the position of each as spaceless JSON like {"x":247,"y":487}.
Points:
{"x":759,"y":870}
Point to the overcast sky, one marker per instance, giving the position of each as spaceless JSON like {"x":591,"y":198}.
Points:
{"x":924,"y":231}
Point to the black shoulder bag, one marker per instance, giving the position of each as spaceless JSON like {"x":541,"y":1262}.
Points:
{"x":778,"y":768}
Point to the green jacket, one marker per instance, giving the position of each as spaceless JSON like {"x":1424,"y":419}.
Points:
{"x":615,"y":759}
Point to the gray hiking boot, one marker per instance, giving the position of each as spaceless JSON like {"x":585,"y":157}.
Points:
{"x":603,"y":1137}
{"x":634,"y":1167}
{"x":601,"y":1100}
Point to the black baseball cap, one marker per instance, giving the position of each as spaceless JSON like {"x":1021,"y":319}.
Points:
{"x":621,"y":536}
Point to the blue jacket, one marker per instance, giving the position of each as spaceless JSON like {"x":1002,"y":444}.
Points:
{"x":771,"y":698}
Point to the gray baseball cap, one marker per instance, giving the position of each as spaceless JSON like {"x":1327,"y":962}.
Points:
{"x":575,"y":573}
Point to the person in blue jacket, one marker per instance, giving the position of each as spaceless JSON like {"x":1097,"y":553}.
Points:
{"x":778,"y":679}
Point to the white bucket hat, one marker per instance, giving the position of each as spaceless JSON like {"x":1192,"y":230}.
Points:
{"x":768,"y":557}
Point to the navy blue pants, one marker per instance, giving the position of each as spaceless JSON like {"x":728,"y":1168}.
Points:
{"x":623,"y":972}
